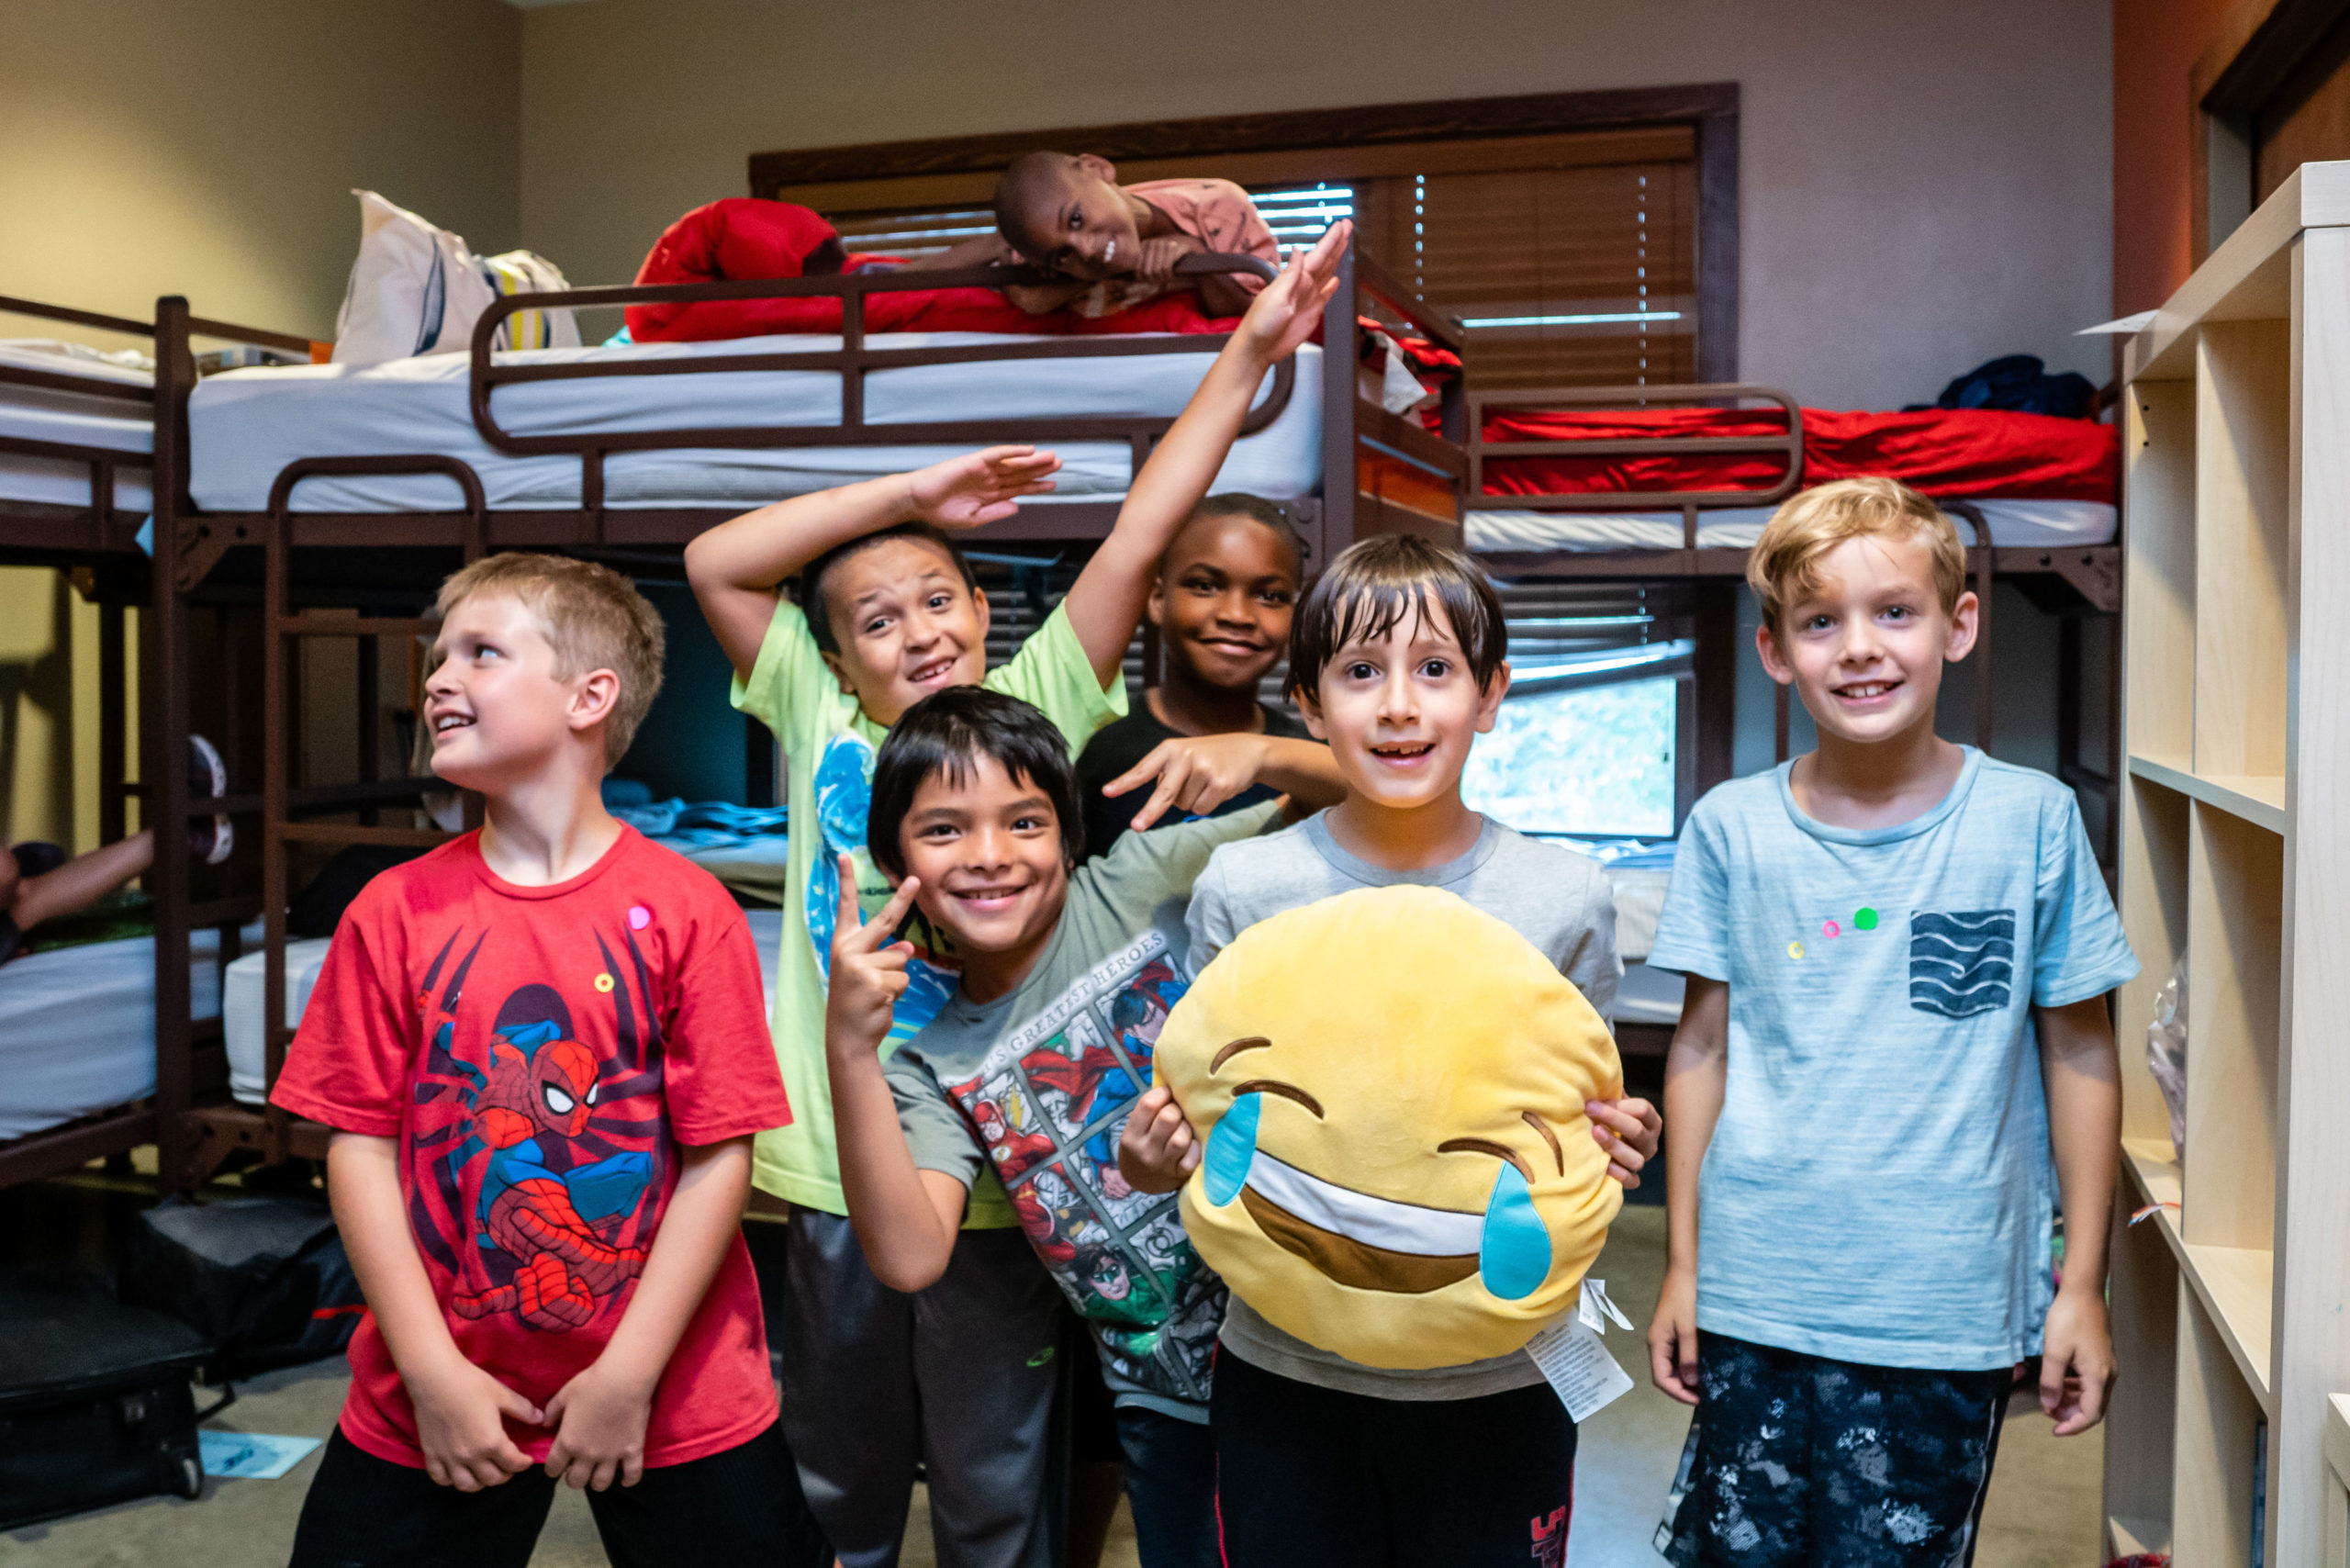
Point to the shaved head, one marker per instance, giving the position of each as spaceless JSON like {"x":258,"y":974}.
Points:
{"x":1026,"y":194}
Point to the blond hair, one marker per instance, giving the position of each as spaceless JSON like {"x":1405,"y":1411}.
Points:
{"x":595,"y":620}
{"x":1784,"y":566}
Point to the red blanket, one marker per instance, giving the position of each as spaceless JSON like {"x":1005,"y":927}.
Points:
{"x":1974,"y":453}
{"x":741,"y":237}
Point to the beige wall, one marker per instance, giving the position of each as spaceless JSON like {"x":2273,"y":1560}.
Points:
{"x":162,"y":145}
{"x":151,"y":147}
{"x":1924,"y":186}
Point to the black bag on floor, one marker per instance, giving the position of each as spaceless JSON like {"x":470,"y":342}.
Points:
{"x":264,"y":1278}
{"x":95,"y":1406}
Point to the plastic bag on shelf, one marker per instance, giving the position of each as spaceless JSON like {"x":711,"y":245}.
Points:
{"x":2166,"y":1051}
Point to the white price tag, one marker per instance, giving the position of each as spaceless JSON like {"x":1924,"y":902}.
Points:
{"x":1596,"y":1311}
{"x":1579,"y":1368}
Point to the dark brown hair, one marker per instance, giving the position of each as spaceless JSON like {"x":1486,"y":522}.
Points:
{"x":1373,"y":585}
{"x":948,"y":732}
{"x":809,"y":589}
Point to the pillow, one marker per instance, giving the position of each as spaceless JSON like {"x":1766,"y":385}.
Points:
{"x":1390,"y":1085}
{"x":417,"y":289}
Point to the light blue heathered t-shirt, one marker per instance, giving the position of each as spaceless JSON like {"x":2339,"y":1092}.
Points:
{"x":1879,"y":1187}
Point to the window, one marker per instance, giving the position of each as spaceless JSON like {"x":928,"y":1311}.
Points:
{"x":1589,"y":741}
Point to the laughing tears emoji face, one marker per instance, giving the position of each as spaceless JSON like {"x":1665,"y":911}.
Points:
{"x":1390,"y":1087}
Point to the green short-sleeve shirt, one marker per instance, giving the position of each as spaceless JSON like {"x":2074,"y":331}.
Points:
{"x":828,"y":747}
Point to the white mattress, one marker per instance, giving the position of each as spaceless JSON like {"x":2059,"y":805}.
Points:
{"x":77,"y":1027}
{"x":246,"y":425}
{"x":240,"y":1012}
{"x":38,"y":413}
{"x":2022,"y":525}
{"x":1648,"y":996}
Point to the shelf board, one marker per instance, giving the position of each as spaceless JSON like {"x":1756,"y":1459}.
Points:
{"x":2337,"y":1436}
{"x":2258,"y":801}
{"x":2132,"y":1537}
{"x":2249,"y":276}
{"x":2235,"y":1284}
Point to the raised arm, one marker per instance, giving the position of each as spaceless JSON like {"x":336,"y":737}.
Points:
{"x":1696,"y":1075}
{"x":738,"y":568}
{"x":905,"y":1218}
{"x":1106,"y":603}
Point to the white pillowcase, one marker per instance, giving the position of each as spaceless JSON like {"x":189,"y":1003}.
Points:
{"x":417,"y":289}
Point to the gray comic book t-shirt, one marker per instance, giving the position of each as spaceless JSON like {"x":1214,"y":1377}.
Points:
{"x":1554,"y":898}
{"x":1038,"y":1083}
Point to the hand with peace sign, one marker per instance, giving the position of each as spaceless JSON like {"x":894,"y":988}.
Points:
{"x":869,"y":969}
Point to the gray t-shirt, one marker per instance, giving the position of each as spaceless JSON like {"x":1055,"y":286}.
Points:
{"x":1038,"y":1083}
{"x":1553,"y":897}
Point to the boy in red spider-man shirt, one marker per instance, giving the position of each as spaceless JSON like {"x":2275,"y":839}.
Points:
{"x":542,"y":1049}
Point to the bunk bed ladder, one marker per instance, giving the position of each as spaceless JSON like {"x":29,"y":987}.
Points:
{"x":283,"y":805}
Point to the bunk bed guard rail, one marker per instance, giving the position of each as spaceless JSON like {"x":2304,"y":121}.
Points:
{"x":853,"y":360}
{"x":1687,"y":502}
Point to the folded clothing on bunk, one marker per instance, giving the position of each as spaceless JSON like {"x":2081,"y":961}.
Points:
{"x":742,"y":239}
{"x":687,"y":826}
{"x":1978,"y":454}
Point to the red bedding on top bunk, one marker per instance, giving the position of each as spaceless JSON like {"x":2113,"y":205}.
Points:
{"x":1979,"y":453}
{"x":744,"y":238}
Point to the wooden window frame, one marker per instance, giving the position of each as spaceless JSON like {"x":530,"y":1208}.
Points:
{"x":963,"y":168}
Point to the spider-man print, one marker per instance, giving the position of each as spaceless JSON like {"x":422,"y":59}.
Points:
{"x":532,"y":1126}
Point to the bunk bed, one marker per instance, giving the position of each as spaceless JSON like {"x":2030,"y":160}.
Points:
{"x":625,"y":454}
{"x":81,"y":1075}
{"x":1671,"y":486}
{"x":1557,"y":495}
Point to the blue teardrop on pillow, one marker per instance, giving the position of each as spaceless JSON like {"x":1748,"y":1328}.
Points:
{"x":1232,"y":1149}
{"x":1514,"y":1257}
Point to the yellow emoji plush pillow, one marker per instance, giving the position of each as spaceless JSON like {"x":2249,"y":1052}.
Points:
{"x":1390,"y":1084}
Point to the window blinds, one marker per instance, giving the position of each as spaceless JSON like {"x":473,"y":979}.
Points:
{"x":1572,"y":257}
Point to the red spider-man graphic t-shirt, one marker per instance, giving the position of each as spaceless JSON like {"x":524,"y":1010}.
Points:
{"x":541,"y":1053}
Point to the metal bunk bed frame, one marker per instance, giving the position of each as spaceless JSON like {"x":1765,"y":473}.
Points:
{"x":98,"y":545}
{"x":199,"y":1128}
{"x":2091,"y":573}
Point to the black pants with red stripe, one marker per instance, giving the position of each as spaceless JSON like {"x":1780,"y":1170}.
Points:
{"x":1307,"y":1476}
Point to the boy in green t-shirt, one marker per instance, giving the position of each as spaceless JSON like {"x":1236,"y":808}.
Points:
{"x":885,"y":613}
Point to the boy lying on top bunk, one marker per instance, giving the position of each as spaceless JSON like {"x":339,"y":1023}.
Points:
{"x":1117,"y":244}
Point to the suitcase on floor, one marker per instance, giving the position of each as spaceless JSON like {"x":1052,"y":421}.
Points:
{"x":262,"y":1277}
{"x":95,"y":1405}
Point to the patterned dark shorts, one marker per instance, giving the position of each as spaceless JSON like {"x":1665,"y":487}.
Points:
{"x":1796,"y":1460}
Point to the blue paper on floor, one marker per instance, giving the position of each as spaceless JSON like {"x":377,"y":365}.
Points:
{"x":251,"y":1456}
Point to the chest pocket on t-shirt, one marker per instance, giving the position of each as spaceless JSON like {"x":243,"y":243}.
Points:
{"x":1964,"y":963}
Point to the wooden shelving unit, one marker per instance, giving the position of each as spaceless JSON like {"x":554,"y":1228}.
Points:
{"x":2232,"y":1296}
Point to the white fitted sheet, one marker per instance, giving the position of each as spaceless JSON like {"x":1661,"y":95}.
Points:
{"x":1648,"y":996}
{"x":77,"y":1027}
{"x":2015,"y":524}
{"x":246,"y":425}
{"x":247,"y":987}
{"x":39,"y":413}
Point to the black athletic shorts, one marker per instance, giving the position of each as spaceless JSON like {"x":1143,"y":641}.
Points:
{"x":1308,"y":1476}
{"x":741,"y":1509}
